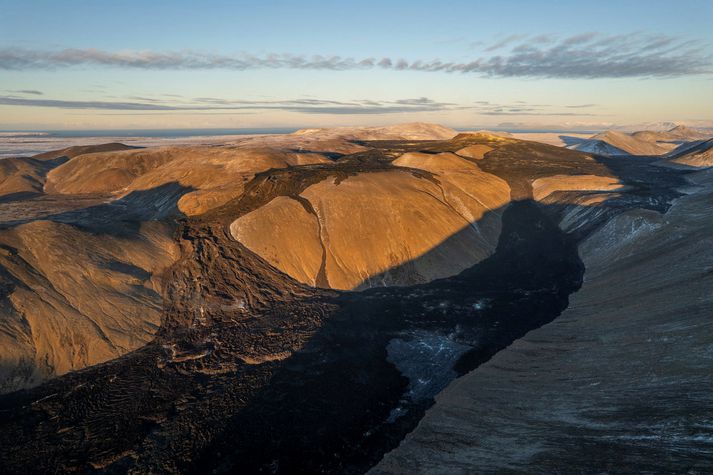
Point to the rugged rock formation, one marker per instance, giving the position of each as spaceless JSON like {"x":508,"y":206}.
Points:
{"x":476,"y":152}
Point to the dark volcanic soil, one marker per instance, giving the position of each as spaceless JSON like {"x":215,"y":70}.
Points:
{"x":253,"y":372}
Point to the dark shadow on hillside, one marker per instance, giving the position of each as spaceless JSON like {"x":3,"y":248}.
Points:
{"x":650,"y":187}
{"x":119,"y":217}
{"x":253,"y":372}
{"x":364,"y":380}
{"x":369,"y":367}
{"x":329,"y":155}
{"x":568,"y":140}
{"x":19,"y":196}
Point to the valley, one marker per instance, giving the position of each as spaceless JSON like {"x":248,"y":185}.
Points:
{"x":293,"y":304}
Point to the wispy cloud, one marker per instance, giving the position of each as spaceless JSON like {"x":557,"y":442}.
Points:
{"x":586,"y":55}
{"x":522,"y":108}
{"x":504,"y":42}
{"x":305,"y":106}
{"x":32,"y":92}
{"x":215,"y":105}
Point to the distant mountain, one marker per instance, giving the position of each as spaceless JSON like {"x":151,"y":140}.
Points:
{"x":677,"y":134}
{"x":496,"y":133}
{"x":644,"y":142}
{"x":598,"y":147}
{"x":408,"y":131}
{"x":698,"y":154}
{"x":612,"y":142}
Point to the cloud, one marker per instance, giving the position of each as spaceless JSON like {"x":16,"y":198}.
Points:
{"x":583,"y":56}
{"x":504,"y":42}
{"x":33,"y":92}
{"x":533,"y":113}
{"x":522,"y":108}
{"x":304,"y":106}
{"x":62,"y":104}
{"x":215,"y":105}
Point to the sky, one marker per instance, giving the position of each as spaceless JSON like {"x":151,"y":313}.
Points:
{"x":96,"y":64}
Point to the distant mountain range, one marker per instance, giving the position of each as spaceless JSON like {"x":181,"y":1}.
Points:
{"x":644,"y":142}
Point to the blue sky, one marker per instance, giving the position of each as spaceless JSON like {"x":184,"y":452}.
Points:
{"x":172,"y":64}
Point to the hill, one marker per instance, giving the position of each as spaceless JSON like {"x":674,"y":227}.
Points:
{"x":612,"y":142}
{"x":698,"y":154}
{"x":678,"y":134}
{"x":301,"y":310}
{"x":645,"y":142}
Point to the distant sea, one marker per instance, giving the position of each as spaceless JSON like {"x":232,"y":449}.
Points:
{"x":27,"y":143}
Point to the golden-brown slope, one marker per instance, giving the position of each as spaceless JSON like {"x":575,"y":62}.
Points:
{"x":21,"y":175}
{"x":72,"y":298}
{"x":382,"y":228}
{"x":544,"y":187}
{"x":77,"y":150}
{"x":215,"y":174}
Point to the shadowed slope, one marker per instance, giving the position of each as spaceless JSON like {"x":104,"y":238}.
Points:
{"x":238,"y":337}
{"x":692,"y":155}
{"x":620,"y":382}
{"x":355,"y":228}
{"x":372,"y":222}
{"x":612,"y":142}
{"x":252,"y":370}
{"x":217,"y":174}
